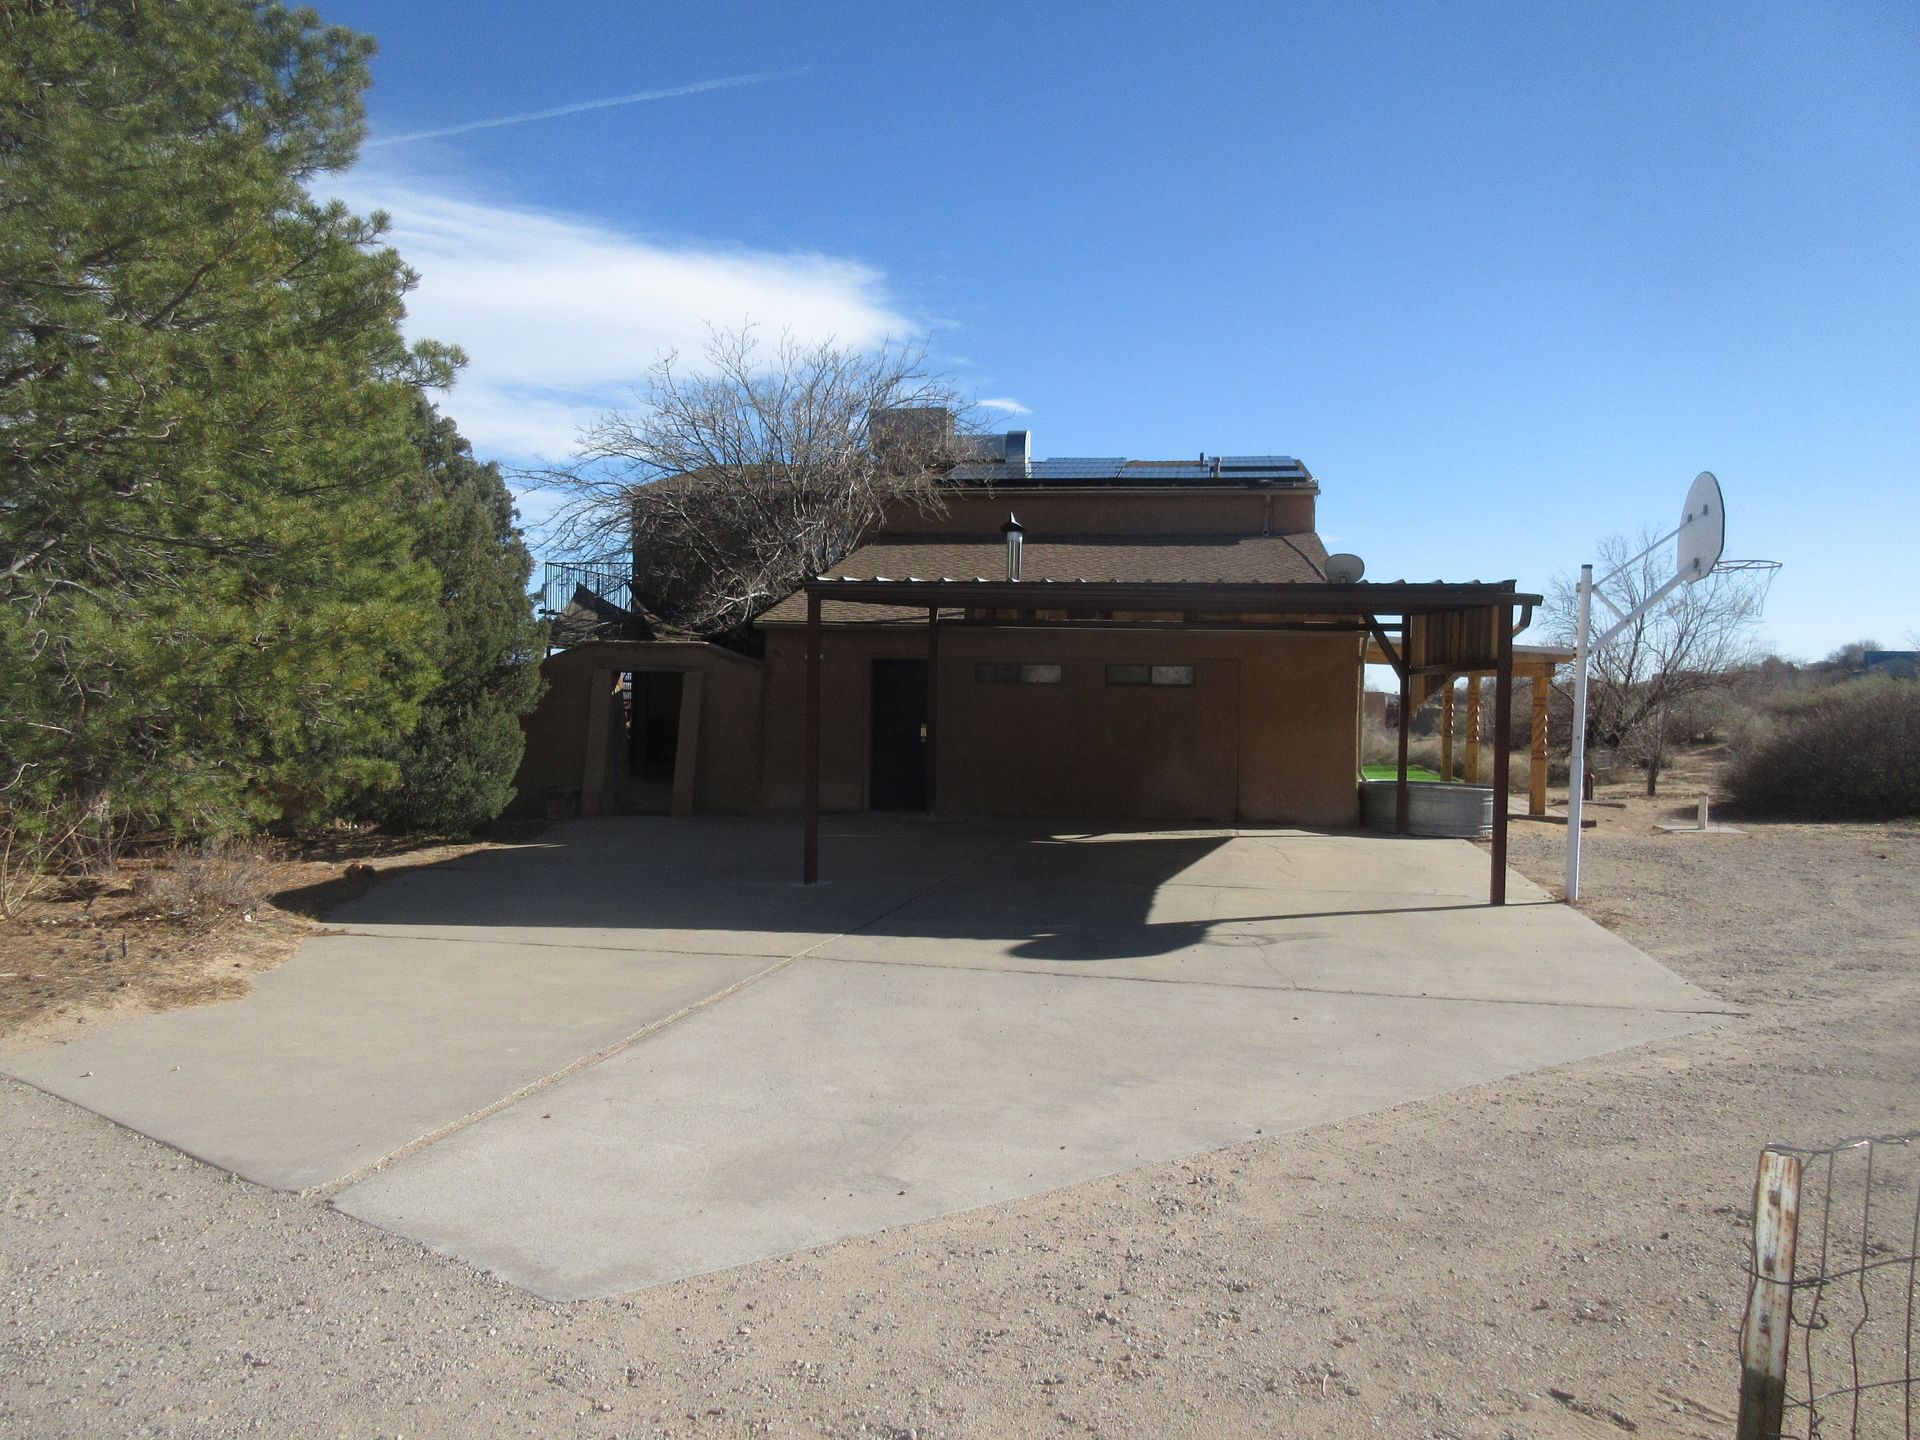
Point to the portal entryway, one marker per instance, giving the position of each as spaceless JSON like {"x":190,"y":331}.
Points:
{"x":653,"y":738}
{"x":897,"y":736}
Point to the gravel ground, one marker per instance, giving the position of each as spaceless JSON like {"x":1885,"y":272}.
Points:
{"x":1559,"y":1254}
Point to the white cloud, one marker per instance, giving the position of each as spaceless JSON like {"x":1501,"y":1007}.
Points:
{"x":1005,"y":405}
{"x":560,"y":316}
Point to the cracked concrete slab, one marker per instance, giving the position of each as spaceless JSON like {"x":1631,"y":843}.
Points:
{"x":637,"y":1050}
{"x":359,"y":1046}
{"x":835,"y":1099}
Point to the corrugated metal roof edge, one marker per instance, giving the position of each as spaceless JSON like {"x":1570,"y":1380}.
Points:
{"x":1365,"y":596}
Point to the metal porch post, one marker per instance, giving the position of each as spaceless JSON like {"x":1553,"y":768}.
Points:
{"x":1406,"y":724}
{"x":1502,"y":752}
{"x":933,"y":704}
{"x":810,"y":864}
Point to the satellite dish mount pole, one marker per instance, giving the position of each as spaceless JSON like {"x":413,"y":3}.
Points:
{"x":1701,"y":534}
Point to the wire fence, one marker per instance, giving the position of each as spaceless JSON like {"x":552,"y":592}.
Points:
{"x":1827,"y":1349}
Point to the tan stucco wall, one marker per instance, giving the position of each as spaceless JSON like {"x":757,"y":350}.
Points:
{"x":1266,"y":735}
{"x":1108,"y":512}
{"x":727,"y":756}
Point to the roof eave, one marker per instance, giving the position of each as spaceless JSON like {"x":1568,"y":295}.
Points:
{"x":1174,"y":597}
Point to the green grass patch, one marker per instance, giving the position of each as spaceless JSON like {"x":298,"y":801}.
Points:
{"x":1388,"y":772}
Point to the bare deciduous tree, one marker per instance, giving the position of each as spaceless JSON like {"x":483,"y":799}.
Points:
{"x":1686,"y":647}
{"x":1852,"y":657}
{"x":739,"y":477}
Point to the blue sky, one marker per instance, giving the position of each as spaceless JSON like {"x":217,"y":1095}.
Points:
{"x":1505,"y":276}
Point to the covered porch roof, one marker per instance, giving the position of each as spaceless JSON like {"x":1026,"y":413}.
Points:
{"x":1424,"y":630}
{"x":1536,"y":665}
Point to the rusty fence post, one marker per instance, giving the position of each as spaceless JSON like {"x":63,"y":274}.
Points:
{"x":1763,"y":1334}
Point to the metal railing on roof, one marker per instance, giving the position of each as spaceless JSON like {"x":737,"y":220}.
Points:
{"x":610,"y":580}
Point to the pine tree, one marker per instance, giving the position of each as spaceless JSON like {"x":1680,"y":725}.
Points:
{"x":212,"y":608}
{"x":456,"y":769}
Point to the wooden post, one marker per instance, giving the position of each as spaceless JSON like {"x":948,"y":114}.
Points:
{"x":596,"y":786}
{"x":1502,"y":751}
{"x":1763,"y":1334}
{"x":1473,"y":729}
{"x":933,"y":703}
{"x":810,"y":862}
{"x":1446,"y":731}
{"x":1537,"y":744}
{"x":1406,"y":723}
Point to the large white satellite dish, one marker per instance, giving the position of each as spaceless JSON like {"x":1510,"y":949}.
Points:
{"x":1703,"y":530}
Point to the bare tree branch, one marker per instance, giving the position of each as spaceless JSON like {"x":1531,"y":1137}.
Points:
{"x":1687,"y":646}
{"x":740,"y":477}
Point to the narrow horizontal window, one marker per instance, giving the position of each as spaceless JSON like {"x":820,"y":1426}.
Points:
{"x":1010,"y":672}
{"x":1149,"y":674}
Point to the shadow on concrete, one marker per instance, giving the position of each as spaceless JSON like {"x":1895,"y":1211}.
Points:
{"x":1062,"y":893}
{"x":1147,"y":938}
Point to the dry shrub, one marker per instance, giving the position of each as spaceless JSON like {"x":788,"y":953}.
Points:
{"x":1747,"y":728}
{"x":1849,"y":752}
{"x":1519,"y":772}
{"x":36,"y":846}
{"x":1378,"y":744}
{"x":23,"y":871}
{"x":206,"y":883}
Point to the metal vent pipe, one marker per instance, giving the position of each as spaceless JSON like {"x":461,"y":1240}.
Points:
{"x":1016,"y":536}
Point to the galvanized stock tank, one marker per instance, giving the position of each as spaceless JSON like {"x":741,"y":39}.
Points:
{"x":1460,"y":812}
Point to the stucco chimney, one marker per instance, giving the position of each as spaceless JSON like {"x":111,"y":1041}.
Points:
{"x":925,"y":426}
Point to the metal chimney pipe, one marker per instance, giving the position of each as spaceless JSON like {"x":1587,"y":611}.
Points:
{"x":1016,"y":536}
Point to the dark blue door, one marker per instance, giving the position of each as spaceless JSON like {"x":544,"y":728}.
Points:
{"x":897,"y":754}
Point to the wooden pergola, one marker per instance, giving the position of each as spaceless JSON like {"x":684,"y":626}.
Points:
{"x":1425,"y":631}
{"x":1536,"y":665}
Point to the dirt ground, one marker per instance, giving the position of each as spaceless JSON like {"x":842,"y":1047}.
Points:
{"x":93,"y":951}
{"x":1559,"y":1254}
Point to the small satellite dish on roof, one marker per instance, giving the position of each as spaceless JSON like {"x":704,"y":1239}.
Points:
{"x":1345,"y":569}
{"x":1703,"y":530}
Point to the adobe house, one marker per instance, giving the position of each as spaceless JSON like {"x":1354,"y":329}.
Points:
{"x":1144,"y":640}
{"x":1124,"y":715}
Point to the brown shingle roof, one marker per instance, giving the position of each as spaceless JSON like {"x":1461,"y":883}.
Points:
{"x":1244,"y":559}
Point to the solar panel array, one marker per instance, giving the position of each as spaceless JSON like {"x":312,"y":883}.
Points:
{"x":1254,"y":470}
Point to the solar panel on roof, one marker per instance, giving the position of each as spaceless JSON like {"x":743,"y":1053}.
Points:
{"x":1073,"y":468}
{"x":1096,"y":470}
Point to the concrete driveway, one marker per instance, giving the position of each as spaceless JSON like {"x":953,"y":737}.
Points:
{"x":637,"y":1051}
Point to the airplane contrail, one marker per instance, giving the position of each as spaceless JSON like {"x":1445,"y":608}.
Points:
{"x":699,"y":87}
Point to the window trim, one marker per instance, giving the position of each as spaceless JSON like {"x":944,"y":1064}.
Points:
{"x":1152,"y":675}
{"x":1019,"y":672}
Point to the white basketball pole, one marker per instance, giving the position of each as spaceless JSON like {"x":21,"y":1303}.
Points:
{"x":1703,"y":529}
{"x":1577,"y":760}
